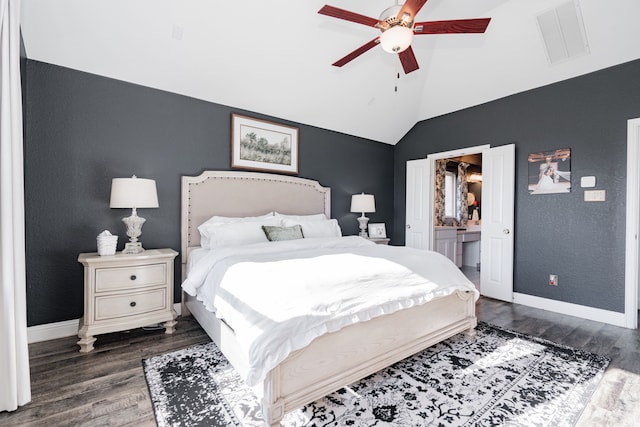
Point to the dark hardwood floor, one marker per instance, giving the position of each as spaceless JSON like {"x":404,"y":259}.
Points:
{"x":107,"y":387}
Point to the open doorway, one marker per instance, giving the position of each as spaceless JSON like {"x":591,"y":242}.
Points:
{"x":458,"y":212}
{"x":496,"y":217}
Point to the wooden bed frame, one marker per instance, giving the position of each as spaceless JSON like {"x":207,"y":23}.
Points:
{"x":333,"y":360}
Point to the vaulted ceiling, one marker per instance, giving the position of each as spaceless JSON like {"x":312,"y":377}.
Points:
{"x":274,"y":57}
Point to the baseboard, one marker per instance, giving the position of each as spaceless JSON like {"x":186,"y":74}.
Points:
{"x":68,"y":328}
{"x":51,"y":331}
{"x":582,"y":311}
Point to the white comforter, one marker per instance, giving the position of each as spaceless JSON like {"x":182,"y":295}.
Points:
{"x":279,"y":296}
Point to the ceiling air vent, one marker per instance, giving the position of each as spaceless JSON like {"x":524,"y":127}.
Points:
{"x":563,"y":32}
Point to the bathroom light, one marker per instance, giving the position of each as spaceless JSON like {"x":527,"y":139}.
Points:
{"x":474,"y":177}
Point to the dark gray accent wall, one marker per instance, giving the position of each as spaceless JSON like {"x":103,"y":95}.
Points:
{"x":82,"y":130}
{"x":584,"y":243}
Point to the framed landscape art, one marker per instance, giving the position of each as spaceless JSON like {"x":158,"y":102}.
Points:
{"x":261,"y":145}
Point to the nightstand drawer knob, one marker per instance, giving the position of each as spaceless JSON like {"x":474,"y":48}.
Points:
{"x":133,"y":277}
{"x":132,"y":303}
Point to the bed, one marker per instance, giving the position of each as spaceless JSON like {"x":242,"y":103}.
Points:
{"x":334,"y":359}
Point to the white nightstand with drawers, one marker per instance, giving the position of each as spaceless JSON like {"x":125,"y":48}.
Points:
{"x":126,"y":291}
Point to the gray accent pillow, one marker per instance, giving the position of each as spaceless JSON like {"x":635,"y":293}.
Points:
{"x":275,"y":234}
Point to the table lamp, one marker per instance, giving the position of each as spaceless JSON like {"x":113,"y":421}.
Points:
{"x":133,"y":193}
{"x":363,"y":203}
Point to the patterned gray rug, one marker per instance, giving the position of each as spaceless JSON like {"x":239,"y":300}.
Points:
{"x":499,"y":378}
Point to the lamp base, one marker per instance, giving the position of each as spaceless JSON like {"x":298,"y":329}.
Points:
{"x":362,"y":221}
{"x":134,"y":230}
{"x":133,"y":248}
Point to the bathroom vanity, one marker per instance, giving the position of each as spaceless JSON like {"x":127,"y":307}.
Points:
{"x":460,"y":244}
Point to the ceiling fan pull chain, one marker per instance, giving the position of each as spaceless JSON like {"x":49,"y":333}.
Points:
{"x":395,"y":88}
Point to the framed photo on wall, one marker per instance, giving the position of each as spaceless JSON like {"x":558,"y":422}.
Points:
{"x":550,"y":171}
{"x":377,"y":231}
{"x":261,"y":145}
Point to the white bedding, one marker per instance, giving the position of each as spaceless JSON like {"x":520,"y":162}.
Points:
{"x":279,"y":296}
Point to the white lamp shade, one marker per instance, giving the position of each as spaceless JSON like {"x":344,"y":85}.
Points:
{"x":396,"y":39}
{"x":363,"y":203}
{"x":133,"y":193}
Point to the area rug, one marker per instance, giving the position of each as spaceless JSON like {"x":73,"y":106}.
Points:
{"x":500,"y":377}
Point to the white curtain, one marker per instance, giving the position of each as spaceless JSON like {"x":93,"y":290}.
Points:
{"x":15,"y":389}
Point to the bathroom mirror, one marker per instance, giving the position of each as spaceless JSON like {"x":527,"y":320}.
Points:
{"x":458,"y":191}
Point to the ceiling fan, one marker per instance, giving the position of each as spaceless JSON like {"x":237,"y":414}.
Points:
{"x":398,"y":28}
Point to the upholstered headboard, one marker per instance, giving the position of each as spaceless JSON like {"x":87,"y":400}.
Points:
{"x":229,"y":193}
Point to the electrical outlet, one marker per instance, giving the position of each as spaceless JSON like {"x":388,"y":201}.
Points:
{"x":553,"y":280}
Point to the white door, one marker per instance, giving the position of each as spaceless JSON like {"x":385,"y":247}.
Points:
{"x":632,"y":248}
{"x":498,"y":186}
{"x":419,"y":194}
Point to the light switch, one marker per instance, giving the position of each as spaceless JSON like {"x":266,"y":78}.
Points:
{"x":588,"y":181}
{"x":595,"y":195}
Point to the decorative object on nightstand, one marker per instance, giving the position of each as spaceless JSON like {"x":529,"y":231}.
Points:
{"x":363,"y":203}
{"x":377,"y":230}
{"x":378,"y":233}
{"x":133,"y":193}
{"x":123,"y":292}
{"x":106,"y":243}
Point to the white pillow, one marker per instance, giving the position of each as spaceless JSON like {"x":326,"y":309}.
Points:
{"x":316,"y":228}
{"x":215,"y":235}
{"x":313,"y":217}
{"x":230,"y":219}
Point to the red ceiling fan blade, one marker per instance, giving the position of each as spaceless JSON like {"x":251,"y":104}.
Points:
{"x":452,"y":26}
{"x":412,"y":7}
{"x":359,"y":51}
{"x":347,"y":15}
{"x":408,"y":60}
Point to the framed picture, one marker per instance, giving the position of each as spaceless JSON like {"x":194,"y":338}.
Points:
{"x":377,"y":231}
{"x":550,"y":171}
{"x":262,"y":145}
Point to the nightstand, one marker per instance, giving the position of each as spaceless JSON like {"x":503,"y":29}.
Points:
{"x":126,"y":291}
{"x":380,"y":241}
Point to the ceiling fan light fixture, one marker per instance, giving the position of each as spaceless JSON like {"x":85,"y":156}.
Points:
{"x":396,"y":39}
